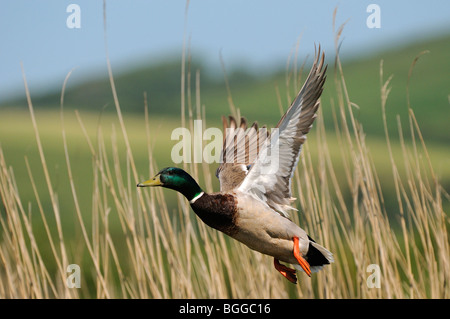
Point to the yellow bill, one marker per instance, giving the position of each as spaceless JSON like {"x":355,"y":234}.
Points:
{"x":155,"y":181}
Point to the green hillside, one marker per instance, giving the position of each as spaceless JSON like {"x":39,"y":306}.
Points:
{"x":256,"y":95}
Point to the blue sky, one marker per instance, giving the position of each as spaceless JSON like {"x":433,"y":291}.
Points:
{"x":257,"y":33}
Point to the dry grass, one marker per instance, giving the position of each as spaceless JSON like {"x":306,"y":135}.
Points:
{"x":161,"y":253}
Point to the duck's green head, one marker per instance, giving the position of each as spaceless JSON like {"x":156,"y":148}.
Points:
{"x":177,"y":179}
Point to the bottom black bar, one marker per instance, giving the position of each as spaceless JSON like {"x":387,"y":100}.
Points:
{"x":223,"y":308}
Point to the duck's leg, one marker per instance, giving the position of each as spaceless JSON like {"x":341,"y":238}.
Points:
{"x":302,"y":262}
{"x":285,"y":271}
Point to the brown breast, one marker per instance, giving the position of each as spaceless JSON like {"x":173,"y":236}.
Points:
{"x":218,"y":211}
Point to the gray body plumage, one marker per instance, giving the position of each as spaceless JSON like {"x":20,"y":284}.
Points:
{"x":264,"y":230}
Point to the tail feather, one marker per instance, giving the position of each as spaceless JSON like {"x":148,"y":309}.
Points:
{"x":317,"y":256}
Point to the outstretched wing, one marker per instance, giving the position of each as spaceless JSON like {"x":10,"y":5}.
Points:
{"x":270,"y":176}
{"x":240,"y":149}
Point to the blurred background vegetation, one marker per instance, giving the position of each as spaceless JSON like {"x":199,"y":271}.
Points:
{"x":89,"y":111}
{"x":259,"y":97}
{"x":256,"y":93}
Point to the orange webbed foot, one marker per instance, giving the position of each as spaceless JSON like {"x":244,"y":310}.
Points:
{"x":302,"y":262}
{"x":287,"y":272}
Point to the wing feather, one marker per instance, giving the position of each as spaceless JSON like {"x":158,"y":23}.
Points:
{"x":269,"y":178}
{"x":240,"y":149}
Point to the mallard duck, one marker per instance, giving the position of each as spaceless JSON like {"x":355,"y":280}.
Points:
{"x":255,"y":190}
